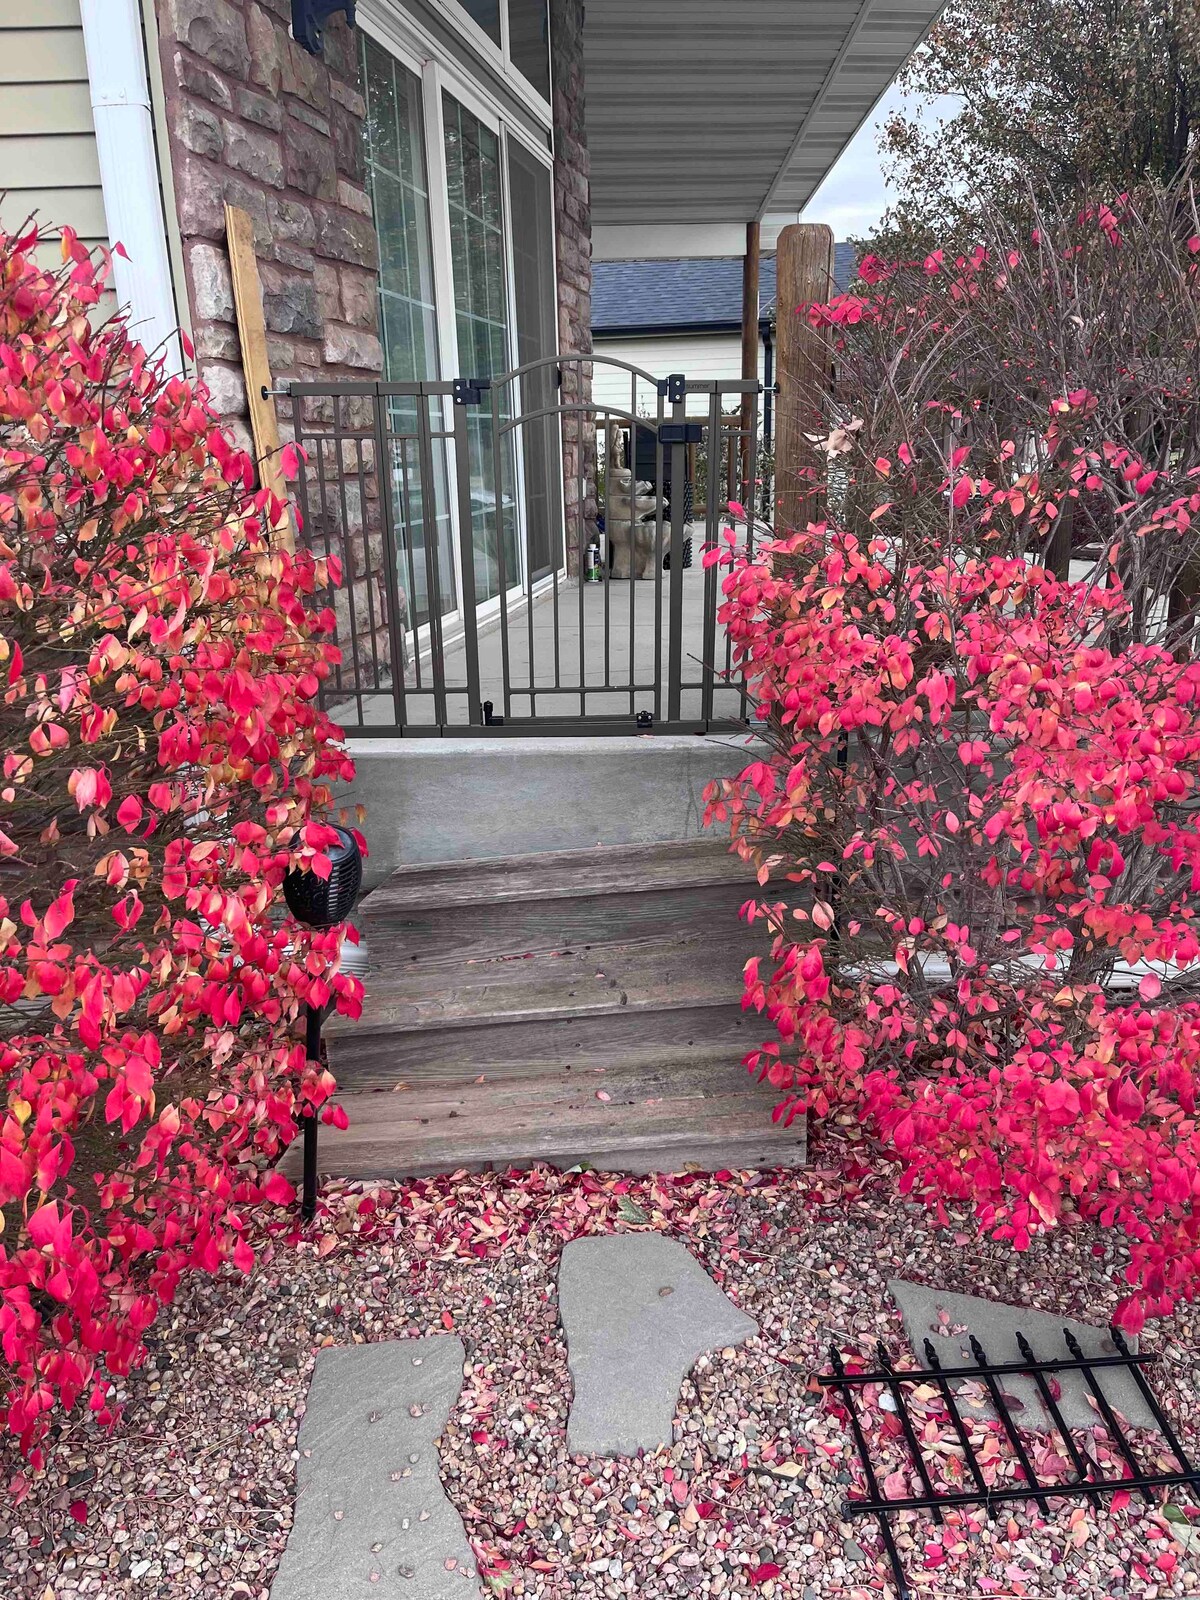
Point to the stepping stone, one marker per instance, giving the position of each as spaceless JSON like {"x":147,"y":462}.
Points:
{"x":638,"y":1311}
{"x":368,"y":1474}
{"x":996,"y":1327}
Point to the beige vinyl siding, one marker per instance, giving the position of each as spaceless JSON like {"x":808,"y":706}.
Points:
{"x":48,"y":162}
{"x":699,"y":356}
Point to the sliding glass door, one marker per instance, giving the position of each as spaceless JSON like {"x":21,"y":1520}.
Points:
{"x":531,"y":207}
{"x":475,"y":196}
{"x":463,"y":206}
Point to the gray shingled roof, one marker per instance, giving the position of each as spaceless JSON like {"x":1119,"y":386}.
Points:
{"x":698,"y":292}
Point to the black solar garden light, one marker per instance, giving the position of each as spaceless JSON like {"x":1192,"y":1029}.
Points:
{"x":321,"y":903}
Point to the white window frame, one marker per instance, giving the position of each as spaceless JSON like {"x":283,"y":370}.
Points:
{"x":386,"y":20}
{"x":417,"y":50}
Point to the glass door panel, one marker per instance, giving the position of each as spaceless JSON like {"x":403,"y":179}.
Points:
{"x":475,"y":200}
{"x":396,"y":170}
{"x":535,"y":296}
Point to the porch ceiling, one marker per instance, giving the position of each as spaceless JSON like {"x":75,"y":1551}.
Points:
{"x":720,"y":111}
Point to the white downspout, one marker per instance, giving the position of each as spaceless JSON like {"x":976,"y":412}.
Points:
{"x":112,"y":37}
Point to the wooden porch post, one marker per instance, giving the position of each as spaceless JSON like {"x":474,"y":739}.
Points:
{"x":750,"y":265}
{"x":804,"y":356}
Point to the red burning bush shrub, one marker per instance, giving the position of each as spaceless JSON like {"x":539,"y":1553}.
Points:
{"x":978,"y":807}
{"x":164,"y":763}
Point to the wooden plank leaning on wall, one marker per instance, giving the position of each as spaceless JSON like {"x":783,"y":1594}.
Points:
{"x":252,"y":333}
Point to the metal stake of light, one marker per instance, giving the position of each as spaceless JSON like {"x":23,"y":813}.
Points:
{"x":321,"y":903}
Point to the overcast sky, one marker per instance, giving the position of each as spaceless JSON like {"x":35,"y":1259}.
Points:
{"x":854,"y":196}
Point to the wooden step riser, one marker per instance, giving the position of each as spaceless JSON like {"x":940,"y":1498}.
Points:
{"x":623,"y":1038}
{"x":625,"y":869}
{"x":454,"y":934}
{"x":670,"y":974}
{"x":388,"y":1137}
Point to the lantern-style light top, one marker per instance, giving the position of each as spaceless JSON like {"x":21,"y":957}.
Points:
{"x":324,"y":902}
{"x":309,"y":18}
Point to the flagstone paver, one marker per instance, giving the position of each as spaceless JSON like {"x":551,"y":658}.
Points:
{"x":638,"y":1311}
{"x":372,"y":1521}
{"x":996,"y":1326}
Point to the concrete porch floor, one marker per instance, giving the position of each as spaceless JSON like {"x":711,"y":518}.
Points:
{"x":598,"y":635}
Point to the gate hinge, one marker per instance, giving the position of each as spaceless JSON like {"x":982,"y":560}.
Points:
{"x":645,"y":720}
{"x":470,"y":391}
{"x":673,"y":388}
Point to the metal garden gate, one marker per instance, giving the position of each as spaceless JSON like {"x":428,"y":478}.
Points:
{"x":522,"y":555}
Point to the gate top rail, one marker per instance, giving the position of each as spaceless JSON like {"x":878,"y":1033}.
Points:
{"x":417,"y":388}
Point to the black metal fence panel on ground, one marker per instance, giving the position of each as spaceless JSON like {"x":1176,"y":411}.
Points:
{"x":1088,"y":1481}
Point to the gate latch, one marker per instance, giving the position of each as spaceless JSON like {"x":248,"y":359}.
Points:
{"x":645,"y":720}
{"x":490,"y":720}
{"x":469,"y":391}
{"x":680,"y":432}
{"x":673,"y":388}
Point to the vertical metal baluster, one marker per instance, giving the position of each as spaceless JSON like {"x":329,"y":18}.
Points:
{"x":466,"y":555}
{"x":542,"y":423}
{"x":914,"y":1447}
{"x":388,"y":573}
{"x":675,"y":645}
{"x":847,"y":1393}
{"x":1009,"y":1426}
{"x":554,"y":604}
{"x":501,"y":568}
{"x":712,"y":536}
{"x":607,"y":574}
{"x":1106,"y":1411}
{"x":633,"y":675}
{"x":581,"y":561}
{"x":1156,"y":1410}
{"x":1056,"y":1415}
{"x":744,"y":698}
{"x":960,"y":1426}
{"x":403,"y":441}
{"x":347,"y":567}
{"x":659,"y":540}
{"x":339,"y":443}
{"x":437,"y":658}
{"x":304,"y":533}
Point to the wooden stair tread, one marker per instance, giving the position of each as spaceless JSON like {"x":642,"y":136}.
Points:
{"x":668,"y":972}
{"x":608,"y":869}
{"x":457,"y":933}
{"x":717,"y":1114}
{"x":629,"y":1037}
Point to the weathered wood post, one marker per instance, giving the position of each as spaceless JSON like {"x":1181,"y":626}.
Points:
{"x":804,"y":354}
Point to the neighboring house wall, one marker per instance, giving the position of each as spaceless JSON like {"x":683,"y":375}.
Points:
{"x":699,"y":356}
{"x":256,"y":121}
{"x":48,"y":159}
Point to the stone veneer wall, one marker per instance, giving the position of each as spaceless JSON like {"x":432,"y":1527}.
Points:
{"x":257,"y":121}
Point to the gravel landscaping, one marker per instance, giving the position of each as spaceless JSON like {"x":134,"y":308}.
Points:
{"x":192,"y":1494}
